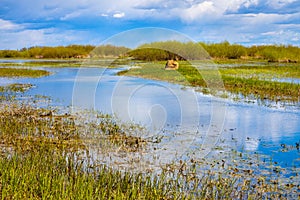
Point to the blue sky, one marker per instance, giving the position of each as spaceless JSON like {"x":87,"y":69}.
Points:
{"x":25,"y":23}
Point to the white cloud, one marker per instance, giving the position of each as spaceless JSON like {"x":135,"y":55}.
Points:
{"x":198,"y":11}
{"x":265,"y":19}
{"x":281,"y":36}
{"x":213,"y":10}
{"x":188,"y":11}
{"x":202,"y":19}
{"x":119,"y":15}
{"x":279,"y":3}
{"x":7,"y":25}
{"x":249,"y":3}
{"x":41,"y":37}
{"x":270,"y":33}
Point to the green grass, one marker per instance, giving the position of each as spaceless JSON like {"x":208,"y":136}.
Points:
{"x":49,"y":175}
{"x":246,"y":80}
{"x":264,"y":71}
{"x":19,"y":72}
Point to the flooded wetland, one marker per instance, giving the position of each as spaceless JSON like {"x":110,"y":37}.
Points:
{"x":149,"y":133}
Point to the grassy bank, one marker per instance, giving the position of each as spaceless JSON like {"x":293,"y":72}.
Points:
{"x":249,"y":81}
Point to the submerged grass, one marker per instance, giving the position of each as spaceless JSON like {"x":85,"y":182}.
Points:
{"x":11,"y":91}
{"x":45,"y":155}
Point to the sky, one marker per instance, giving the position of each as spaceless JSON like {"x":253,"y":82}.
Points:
{"x":26,"y":23}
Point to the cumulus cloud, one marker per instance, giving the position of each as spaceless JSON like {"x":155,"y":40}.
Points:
{"x":214,"y":9}
{"x":41,"y":37}
{"x":119,"y":15}
{"x":198,"y":11}
{"x":188,"y":11}
{"x":233,"y":20}
{"x":8,"y":25}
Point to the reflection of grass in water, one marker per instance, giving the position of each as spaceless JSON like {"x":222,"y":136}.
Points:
{"x":46,"y":155}
{"x":236,"y":80}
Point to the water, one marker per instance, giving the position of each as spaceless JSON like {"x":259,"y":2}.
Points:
{"x":187,"y":119}
{"x":287,"y":80}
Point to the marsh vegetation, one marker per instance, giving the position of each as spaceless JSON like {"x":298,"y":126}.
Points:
{"x":46,"y":155}
{"x":255,"y":82}
{"x":49,"y":153}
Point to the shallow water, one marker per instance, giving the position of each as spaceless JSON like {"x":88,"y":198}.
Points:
{"x":189,"y":121}
{"x":287,"y":80}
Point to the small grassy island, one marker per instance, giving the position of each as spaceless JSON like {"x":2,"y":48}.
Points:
{"x":17,"y":72}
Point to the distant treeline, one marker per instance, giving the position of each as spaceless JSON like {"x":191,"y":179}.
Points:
{"x":164,"y":50}
{"x":224,"y":50}
{"x":169,"y":50}
{"x":71,"y":51}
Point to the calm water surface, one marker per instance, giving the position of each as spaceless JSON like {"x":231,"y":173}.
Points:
{"x":164,"y":107}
